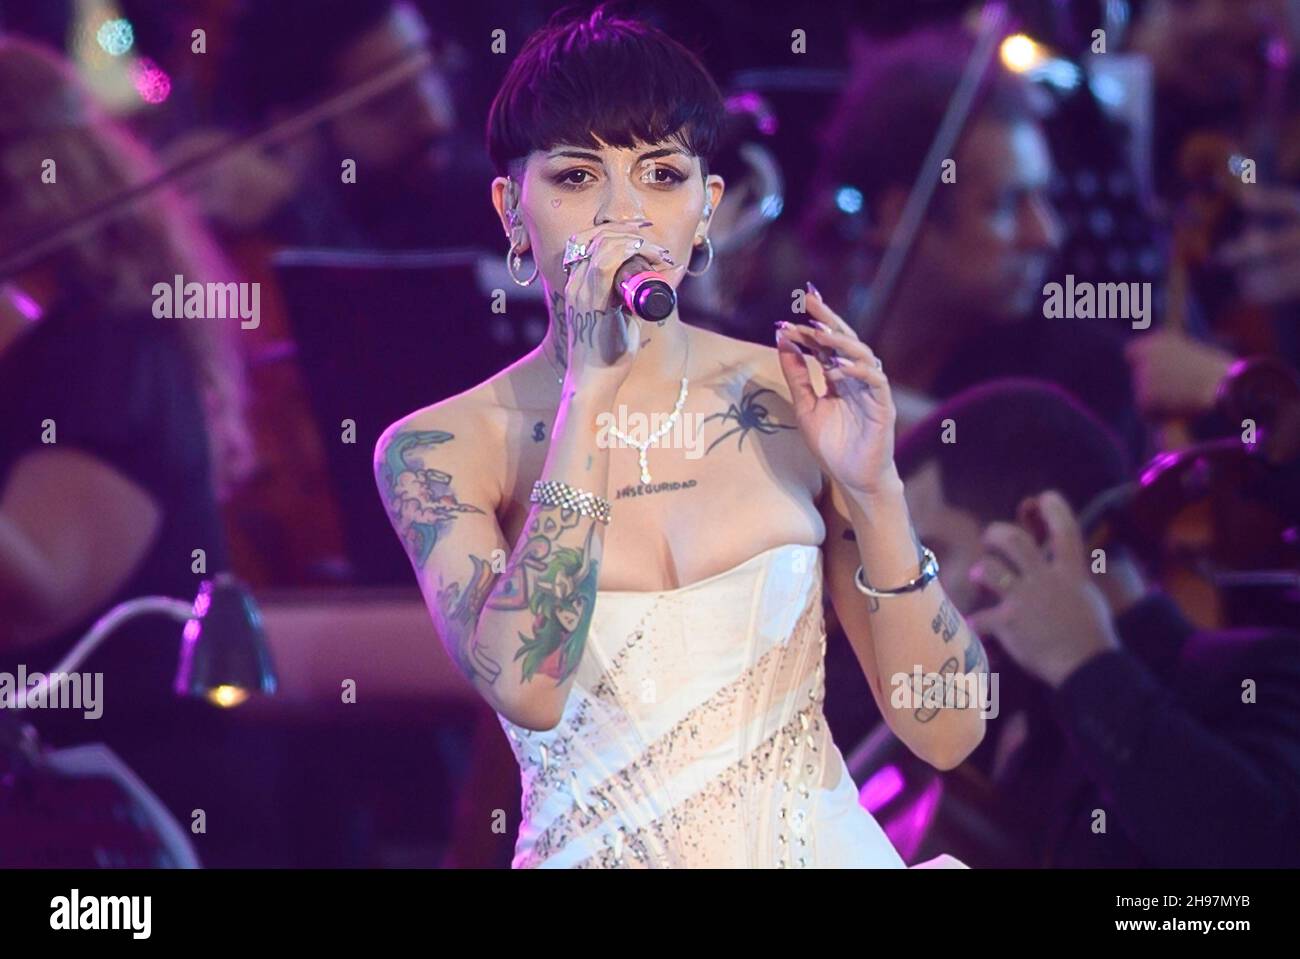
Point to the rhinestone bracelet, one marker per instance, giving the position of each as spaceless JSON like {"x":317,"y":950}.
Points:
{"x":929,"y":570}
{"x":556,"y":493}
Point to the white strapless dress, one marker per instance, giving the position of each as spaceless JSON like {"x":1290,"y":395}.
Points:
{"x":694,"y":735}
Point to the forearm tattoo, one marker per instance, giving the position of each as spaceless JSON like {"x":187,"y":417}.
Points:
{"x":557,"y":584}
{"x":926,"y":713}
{"x":975,"y":657}
{"x":460,"y":609}
{"x":947,"y":622}
{"x":422,"y":506}
{"x":748,"y":415}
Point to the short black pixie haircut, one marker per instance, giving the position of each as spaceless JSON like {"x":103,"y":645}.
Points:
{"x":600,"y":76}
{"x":1015,"y":437}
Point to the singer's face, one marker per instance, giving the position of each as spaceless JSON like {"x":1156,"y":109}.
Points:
{"x":654,"y":190}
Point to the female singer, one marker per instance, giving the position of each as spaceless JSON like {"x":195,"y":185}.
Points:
{"x":643,"y":609}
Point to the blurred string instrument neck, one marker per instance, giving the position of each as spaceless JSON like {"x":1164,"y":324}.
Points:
{"x":28,"y":250}
{"x":1215,"y":169}
{"x":867,"y":318}
{"x":1220,"y":516}
{"x":1214,"y":515}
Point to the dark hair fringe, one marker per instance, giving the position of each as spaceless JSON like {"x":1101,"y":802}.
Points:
{"x":602,"y":77}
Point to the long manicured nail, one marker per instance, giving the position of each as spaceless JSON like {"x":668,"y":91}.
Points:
{"x":820,"y":325}
{"x":841,"y":360}
{"x":813,"y":290}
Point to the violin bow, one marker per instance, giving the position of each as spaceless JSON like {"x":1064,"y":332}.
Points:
{"x":30,"y":250}
{"x":993,"y":17}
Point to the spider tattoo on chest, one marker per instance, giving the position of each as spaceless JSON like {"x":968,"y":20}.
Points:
{"x":749,"y":414}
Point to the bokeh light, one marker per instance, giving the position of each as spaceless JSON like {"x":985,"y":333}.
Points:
{"x":848,"y":199}
{"x":1021,"y":54}
{"x":227,"y":697}
{"x":115,"y":37}
{"x":151,"y":81}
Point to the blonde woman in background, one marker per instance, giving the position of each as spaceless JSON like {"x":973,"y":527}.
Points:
{"x":121,"y":431}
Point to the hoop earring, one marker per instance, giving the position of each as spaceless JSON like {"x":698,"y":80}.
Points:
{"x":707,"y":263}
{"x":513,"y":261}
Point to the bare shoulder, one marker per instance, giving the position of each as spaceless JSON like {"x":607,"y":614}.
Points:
{"x":757,"y":397}
{"x":462,"y":434}
{"x":757,"y":363}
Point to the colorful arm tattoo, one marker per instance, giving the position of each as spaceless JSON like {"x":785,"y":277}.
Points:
{"x":557,"y":584}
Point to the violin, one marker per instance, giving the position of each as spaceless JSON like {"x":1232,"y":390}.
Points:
{"x":1208,"y":513}
{"x":1209,"y":519}
{"x":1216,"y":168}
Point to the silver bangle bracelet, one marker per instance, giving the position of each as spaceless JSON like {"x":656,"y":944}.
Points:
{"x":929,"y":570}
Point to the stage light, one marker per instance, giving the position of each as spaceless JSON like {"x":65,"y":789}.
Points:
{"x":881,"y":789}
{"x":1021,"y":54}
{"x":227,"y":696}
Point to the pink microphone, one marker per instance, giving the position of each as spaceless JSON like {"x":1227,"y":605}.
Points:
{"x":645,"y":292}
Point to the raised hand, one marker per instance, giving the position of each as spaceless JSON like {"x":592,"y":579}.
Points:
{"x":602,"y":338}
{"x":851,"y":428}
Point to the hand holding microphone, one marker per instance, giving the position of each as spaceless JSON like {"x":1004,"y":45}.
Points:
{"x":638,"y":283}
{"x":645,"y":291}
{"x":611,"y":273}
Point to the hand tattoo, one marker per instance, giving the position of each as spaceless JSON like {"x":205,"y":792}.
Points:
{"x":584,"y":324}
